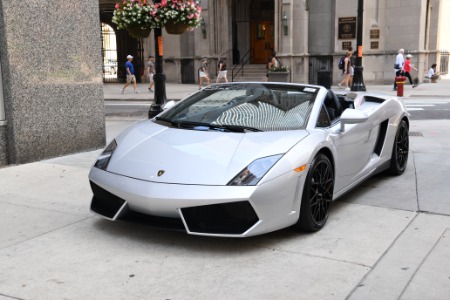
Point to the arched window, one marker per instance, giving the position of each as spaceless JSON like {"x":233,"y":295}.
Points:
{"x":109,"y":54}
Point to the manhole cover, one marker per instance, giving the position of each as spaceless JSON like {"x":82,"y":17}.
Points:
{"x":415,"y":133}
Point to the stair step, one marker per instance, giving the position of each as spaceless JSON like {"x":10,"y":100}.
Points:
{"x":251,"y":73}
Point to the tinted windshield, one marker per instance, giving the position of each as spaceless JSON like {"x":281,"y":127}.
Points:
{"x":264,"y":107}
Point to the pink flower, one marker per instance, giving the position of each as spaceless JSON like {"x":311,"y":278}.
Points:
{"x":163,"y":3}
{"x":117,"y":6}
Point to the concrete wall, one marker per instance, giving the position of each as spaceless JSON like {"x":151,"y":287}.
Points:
{"x":51,"y":70}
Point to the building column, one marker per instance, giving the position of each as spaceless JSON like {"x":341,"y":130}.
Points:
{"x":52,"y":78}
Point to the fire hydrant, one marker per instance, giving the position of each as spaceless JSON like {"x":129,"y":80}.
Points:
{"x":400,"y":80}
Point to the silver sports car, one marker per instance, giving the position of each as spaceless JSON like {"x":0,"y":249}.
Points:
{"x":242,"y":159}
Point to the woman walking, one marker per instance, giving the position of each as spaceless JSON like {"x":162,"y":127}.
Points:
{"x":407,"y":66}
{"x":347,"y":72}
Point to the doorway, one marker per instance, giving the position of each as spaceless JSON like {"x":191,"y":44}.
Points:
{"x":262,"y":30}
{"x":261,"y":40}
{"x":109,"y":54}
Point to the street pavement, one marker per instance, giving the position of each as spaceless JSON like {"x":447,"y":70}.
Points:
{"x":388,"y":239}
{"x":176,"y":91}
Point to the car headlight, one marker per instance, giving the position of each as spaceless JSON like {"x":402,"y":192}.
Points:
{"x":103,"y":159}
{"x":253,"y":173}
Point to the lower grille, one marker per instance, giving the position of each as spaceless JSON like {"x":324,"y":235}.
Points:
{"x":153,"y":221}
{"x":108,"y":205}
{"x":225,"y":218}
{"x":104,"y":203}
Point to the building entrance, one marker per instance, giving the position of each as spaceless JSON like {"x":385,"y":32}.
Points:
{"x":261,"y":30}
{"x":262,"y":43}
{"x":109,"y":54}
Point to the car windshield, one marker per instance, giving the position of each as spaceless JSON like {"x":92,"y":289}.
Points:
{"x":244,"y":107}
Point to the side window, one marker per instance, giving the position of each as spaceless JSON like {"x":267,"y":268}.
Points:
{"x":323,"y":120}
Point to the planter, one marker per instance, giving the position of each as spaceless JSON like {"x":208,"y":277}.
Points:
{"x":174,"y":28}
{"x":138,"y":32}
{"x":278,"y":76}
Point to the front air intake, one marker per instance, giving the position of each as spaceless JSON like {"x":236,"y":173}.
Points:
{"x":225,"y":218}
{"x":104,"y":203}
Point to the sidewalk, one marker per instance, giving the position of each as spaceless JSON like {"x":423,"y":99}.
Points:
{"x":174,"y":91}
{"x":177,"y":91}
{"x":388,"y":239}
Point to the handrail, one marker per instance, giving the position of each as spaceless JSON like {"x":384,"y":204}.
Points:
{"x":244,"y":60}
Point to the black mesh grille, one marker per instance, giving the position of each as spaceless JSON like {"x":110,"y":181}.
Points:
{"x":226,"y":218}
{"x":153,"y":221}
{"x":105,"y":203}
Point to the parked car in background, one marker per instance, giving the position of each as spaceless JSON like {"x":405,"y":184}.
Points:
{"x":110,"y":67}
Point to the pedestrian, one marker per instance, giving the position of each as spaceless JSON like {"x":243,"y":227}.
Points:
{"x":407,"y":66}
{"x":432,"y":74}
{"x":274,"y":62}
{"x":150,"y":71}
{"x":131,"y":78}
{"x":222,"y":70}
{"x":203,"y":73}
{"x":346,"y":72}
{"x":398,"y":66}
{"x":352,"y":65}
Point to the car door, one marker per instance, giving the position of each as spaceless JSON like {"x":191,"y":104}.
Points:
{"x":354,"y":147}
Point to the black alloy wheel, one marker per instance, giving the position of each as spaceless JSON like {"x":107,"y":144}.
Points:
{"x":317,"y":195}
{"x":400,"y":150}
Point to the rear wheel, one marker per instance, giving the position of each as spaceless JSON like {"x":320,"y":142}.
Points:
{"x":317,"y":195}
{"x":400,"y":150}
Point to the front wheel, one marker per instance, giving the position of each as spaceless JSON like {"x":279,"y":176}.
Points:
{"x":317,"y":195}
{"x":399,"y":157}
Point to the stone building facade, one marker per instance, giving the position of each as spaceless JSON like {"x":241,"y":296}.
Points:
{"x":309,"y":36}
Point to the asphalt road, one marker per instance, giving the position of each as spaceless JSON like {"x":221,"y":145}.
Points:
{"x":428,"y":108}
{"x":421,"y":108}
{"x":127,"y":108}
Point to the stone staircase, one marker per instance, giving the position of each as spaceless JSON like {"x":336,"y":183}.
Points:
{"x":251,"y":73}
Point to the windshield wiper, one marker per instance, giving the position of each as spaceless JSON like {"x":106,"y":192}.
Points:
{"x":234,"y":128}
{"x":206,"y":126}
{"x":183,"y":124}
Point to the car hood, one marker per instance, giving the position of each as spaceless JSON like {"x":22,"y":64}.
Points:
{"x":152,"y":152}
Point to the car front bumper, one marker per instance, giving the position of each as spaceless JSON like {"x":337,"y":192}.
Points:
{"x":226,"y":211}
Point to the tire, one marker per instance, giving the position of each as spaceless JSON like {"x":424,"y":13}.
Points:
{"x":399,"y":158}
{"x":317,"y":195}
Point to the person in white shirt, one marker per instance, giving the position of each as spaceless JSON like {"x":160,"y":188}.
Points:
{"x":432,"y":74}
{"x":398,"y":66}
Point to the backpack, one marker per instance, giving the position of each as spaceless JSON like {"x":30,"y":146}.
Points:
{"x":341,"y":63}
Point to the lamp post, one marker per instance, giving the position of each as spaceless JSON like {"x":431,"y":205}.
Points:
{"x":159,"y":77}
{"x":358,"y":81}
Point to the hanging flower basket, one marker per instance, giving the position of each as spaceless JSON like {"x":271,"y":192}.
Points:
{"x":173,"y":28}
{"x":134,"y":16}
{"x":140,"y":16}
{"x":139,"y":32}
